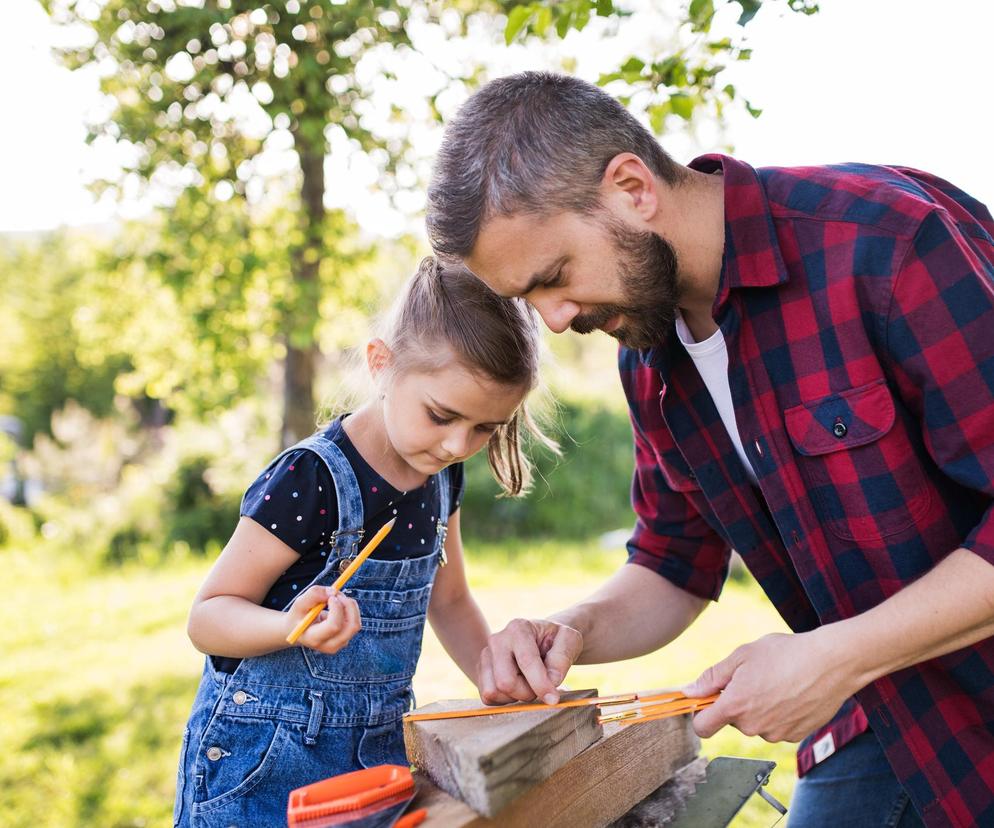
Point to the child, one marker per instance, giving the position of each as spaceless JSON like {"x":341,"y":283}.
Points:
{"x":451,"y":376}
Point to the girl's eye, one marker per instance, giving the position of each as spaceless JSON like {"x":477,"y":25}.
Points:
{"x":437,"y":419}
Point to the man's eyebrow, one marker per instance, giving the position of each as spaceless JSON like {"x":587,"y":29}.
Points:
{"x":452,"y":412}
{"x":541,"y":276}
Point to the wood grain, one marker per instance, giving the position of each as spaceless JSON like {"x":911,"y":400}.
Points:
{"x":488,"y":762}
{"x":597,"y":787}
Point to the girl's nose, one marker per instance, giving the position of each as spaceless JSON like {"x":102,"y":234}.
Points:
{"x":457,"y":444}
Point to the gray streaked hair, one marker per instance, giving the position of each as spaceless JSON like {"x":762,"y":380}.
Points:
{"x":536,"y":142}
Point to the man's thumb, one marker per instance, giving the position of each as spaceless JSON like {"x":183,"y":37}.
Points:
{"x":564,"y":651}
{"x":712,"y":680}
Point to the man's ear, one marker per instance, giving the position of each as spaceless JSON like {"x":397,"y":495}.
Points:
{"x":378,"y":357}
{"x":630,"y":188}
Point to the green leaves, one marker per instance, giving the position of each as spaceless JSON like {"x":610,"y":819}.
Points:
{"x":699,"y":14}
{"x":542,"y":16}
{"x":681,"y":83}
{"x":749,"y":10}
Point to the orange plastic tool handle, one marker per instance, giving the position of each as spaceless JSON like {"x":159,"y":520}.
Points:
{"x":348,"y":792}
{"x":412,"y":819}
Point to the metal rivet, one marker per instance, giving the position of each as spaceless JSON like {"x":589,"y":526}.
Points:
{"x":213,"y":753}
{"x":839,"y":429}
{"x":343,"y":564}
{"x":239,"y":697}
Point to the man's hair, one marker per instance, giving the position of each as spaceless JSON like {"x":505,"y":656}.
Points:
{"x":536,"y":142}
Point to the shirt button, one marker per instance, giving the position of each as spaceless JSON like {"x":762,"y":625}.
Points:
{"x":839,"y":430}
{"x":239,"y":697}
{"x":213,"y":753}
{"x":759,"y":447}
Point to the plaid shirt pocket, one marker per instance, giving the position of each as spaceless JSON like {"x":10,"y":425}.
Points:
{"x":858,"y":462}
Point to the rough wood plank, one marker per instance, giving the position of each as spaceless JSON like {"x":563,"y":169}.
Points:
{"x":488,"y":762}
{"x":592,"y":790}
{"x":663,"y":805}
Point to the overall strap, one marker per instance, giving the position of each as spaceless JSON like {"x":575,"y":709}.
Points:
{"x":350,"y":511}
{"x":442,"y":525}
{"x":344,"y":540}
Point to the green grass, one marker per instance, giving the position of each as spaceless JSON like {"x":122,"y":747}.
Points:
{"x":99,"y":675}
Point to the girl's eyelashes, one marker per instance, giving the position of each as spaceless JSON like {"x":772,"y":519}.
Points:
{"x":438,"y":419}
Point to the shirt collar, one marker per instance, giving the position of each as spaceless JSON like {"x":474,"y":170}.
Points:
{"x":752,"y":253}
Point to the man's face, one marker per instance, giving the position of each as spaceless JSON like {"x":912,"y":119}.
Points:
{"x":583,"y":272}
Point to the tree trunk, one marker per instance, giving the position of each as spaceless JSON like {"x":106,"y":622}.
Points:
{"x":302,"y":314}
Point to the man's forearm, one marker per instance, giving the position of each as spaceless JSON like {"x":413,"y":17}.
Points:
{"x":635,"y":612}
{"x":949,"y":608}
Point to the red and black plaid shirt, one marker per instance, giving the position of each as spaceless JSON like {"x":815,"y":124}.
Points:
{"x":857,"y":305}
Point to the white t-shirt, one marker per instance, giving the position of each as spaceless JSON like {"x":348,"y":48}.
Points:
{"x":711,"y":359}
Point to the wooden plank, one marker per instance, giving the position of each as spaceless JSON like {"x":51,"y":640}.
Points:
{"x":594,"y":789}
{"x":663,"y":805}
{"x":488,"y":762}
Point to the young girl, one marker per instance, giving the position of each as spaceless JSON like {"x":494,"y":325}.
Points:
{"x":451,"y":376}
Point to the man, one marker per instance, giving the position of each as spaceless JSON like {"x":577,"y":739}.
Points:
{"x":808,"y":356}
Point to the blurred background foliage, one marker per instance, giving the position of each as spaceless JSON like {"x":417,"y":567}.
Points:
{"x":150,"y":367}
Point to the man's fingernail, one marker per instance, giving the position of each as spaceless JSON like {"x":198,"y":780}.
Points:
{"x":550,"y":698}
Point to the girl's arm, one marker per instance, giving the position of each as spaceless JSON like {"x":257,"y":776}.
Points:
{"x":453,"y":612}
{"x":226,"y":619}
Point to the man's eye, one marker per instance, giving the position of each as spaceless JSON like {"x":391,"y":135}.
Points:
{"x":556,"y":281}
{"x":437,"y":419}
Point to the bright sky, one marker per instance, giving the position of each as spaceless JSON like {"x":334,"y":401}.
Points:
{"x":889,"y":81}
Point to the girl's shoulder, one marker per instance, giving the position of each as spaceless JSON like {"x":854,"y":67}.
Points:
{"x":294,"y":498}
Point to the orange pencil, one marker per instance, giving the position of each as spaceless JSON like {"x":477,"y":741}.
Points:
{"x":315,"y":611}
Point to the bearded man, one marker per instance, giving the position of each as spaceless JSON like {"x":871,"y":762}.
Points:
{"x":808,"y":357}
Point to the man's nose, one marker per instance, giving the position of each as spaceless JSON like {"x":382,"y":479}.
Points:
{"x":556,"y":313}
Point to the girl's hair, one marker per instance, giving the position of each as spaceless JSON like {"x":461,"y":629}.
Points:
{"x":446,"y":305}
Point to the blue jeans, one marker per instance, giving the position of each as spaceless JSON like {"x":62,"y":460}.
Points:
{"x":854,"y":788}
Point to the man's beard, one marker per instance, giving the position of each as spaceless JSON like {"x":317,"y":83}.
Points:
{"x":647,"y":267}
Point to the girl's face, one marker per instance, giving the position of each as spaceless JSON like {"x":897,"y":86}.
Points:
{"x":435,"y":419}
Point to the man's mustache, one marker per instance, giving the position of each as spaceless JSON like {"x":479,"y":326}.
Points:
{"x":589,"y":322}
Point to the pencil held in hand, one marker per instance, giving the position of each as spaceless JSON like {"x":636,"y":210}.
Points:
{"x":315,"y":611}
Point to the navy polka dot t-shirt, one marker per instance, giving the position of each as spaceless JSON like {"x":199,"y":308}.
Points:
{"x":294,"y":499}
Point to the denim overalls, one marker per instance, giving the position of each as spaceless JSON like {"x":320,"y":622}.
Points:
{"x":296,"y":716}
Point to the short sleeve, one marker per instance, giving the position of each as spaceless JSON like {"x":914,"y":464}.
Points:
{"x":294,"y":499}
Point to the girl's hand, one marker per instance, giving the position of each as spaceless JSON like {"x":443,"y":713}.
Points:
{"x":333,"y":628}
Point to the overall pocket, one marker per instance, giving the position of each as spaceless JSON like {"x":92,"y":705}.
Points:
{"x":382,"y":745}
{"x":861,"y":471}
{"x":236,"y":755}
{"x":388,"y":645}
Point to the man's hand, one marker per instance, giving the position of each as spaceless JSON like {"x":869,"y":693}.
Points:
{"x":527,"y":660}
{"x":781,"y":687}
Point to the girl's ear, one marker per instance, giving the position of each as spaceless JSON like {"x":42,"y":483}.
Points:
{"x":378,"y":357}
